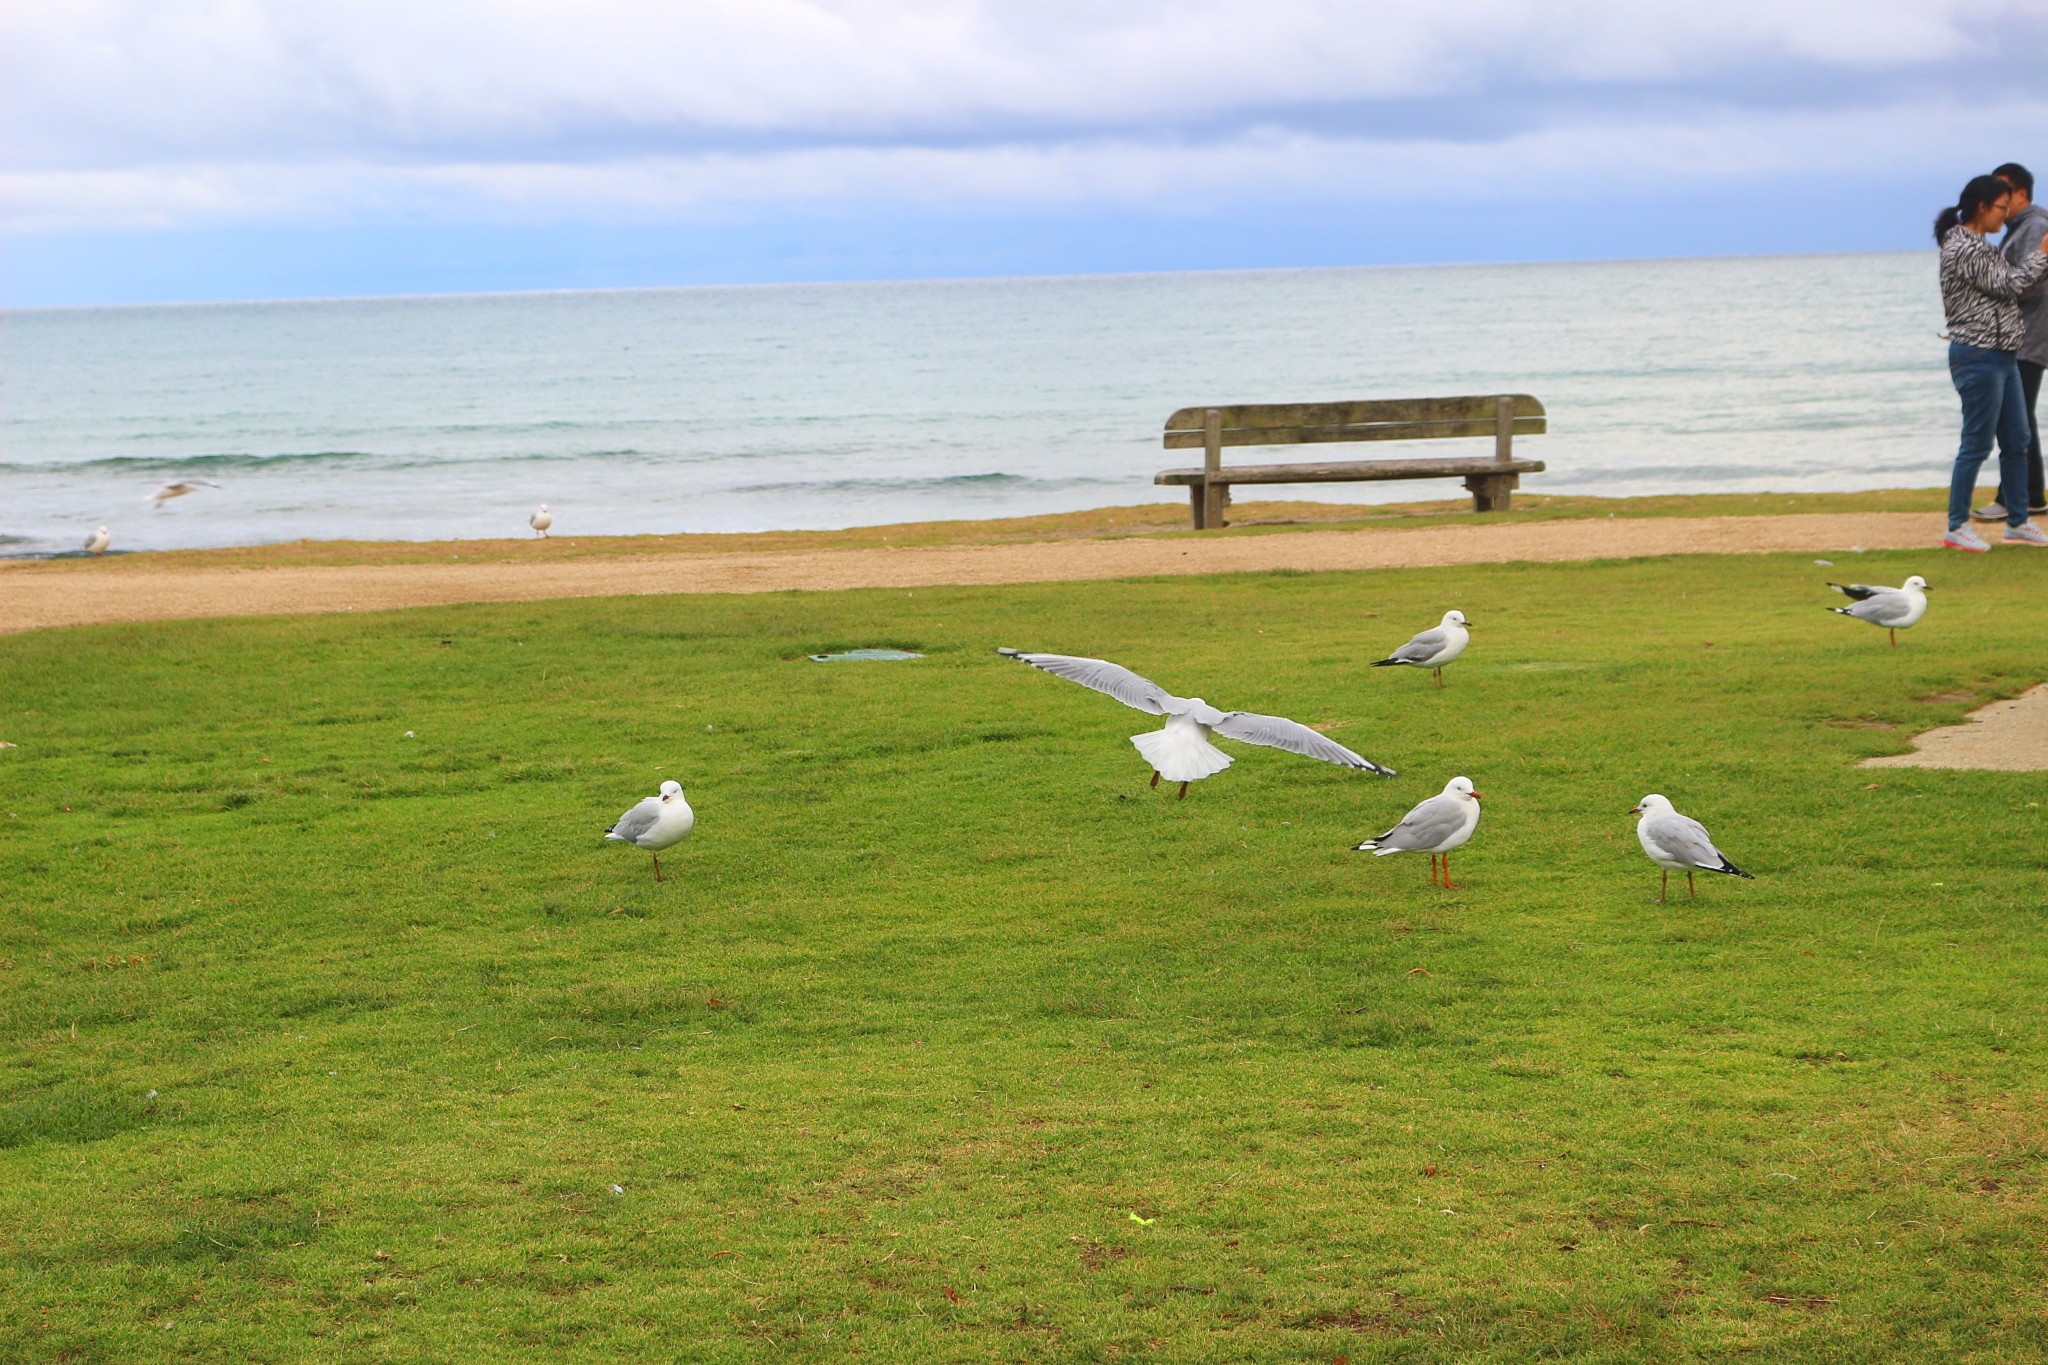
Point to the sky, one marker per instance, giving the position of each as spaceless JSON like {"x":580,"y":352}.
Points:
{"x":155,"y":150}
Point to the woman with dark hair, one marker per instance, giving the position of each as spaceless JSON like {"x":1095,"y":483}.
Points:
{"x":1979,"y":290}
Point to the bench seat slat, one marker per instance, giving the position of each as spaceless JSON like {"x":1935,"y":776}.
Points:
{"x":1361,"y":412}
{"x":1375,"y":431}
{"x":1353,"y":471}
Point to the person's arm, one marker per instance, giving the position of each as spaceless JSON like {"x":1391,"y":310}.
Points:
{"x":1987,"y":272}
{"x":2029,"y":243}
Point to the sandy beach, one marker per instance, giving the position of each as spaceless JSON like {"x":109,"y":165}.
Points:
{"x":38,"y":595}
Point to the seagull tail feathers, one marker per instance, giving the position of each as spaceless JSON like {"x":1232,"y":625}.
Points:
{"x":1387,"y":663}
{"x":1732,"y":870}
{"x":1372,"y":846}
{"x":1839,"y":611}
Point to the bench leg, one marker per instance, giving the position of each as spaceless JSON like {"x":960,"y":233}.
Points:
{"x":1492,"y":492}
{"x":1197,"y":503}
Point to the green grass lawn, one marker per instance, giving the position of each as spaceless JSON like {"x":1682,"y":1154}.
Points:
{"x":950,"y":1040}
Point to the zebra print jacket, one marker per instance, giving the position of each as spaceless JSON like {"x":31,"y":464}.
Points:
{"x":1979,"y":291}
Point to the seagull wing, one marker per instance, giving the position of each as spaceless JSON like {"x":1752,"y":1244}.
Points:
{"x":1884,"y":609}
{"x":636,"y":821}
{"x":1428,"y":825}
{"x":1685,"y":840}
{"x":1423,"y":646}
{"x":1278,"y":732}
{"x":1138,"y":693}
{"x":1859,"y":591}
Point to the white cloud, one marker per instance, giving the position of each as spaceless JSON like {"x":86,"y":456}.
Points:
{"x":151,"y":112}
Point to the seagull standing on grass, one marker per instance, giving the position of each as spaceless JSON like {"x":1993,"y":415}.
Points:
{"x":657,"y":823}
{"x":540,"y":521}
{"x":1895,"y":609}
{"x":98,"y":541}
{"x":1435,"y":647}
{"x":1181,"y":752}
{"x":1677,"y":843}
{"x":1435,"y":827}
{"x":179,"y":490}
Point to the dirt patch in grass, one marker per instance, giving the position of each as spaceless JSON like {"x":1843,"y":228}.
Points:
{"x":2009,"y":736}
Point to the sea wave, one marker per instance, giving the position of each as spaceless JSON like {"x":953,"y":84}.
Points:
{"x":993,"y":482}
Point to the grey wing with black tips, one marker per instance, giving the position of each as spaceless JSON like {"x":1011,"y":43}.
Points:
{"x":1685,"y":840}
{"x":1424,"y":646}
{"x":1278,"y":732}
{"x":1112,"y":680}
{"x":1859,"y":591}
{"x":1425,"y":827}
{"x":1884,"y":608}
{"x":636,"y":821}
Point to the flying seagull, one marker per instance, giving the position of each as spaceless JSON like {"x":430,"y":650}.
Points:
{"x":179,"y":489}
{"x":1435,"y":647}
{"x":1443,"y":822}
{"x":98,"y":541}
{"x":1678,"y":844}
{"x":1181,"y":752}
{"x":1895,"y":609}
{"x":657,"y":823}
{"x":540,"y":521}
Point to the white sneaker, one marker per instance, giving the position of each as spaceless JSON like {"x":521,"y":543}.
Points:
{"x":1963,"y":538}
{"x":2026,"y":533}
{"x":1990,"y":511}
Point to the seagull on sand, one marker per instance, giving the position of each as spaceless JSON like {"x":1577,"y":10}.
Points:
{"x":657,"y":823}
{"x":1181,"y":752}
{"x":1678,"y":844}
{"x":1435,"y":647}
{"x":1895,"y":609}
{"x":98,"y":541}
{"x":179,"y":489}
{"x":540,"y":521}
{"x":1435,"y":827}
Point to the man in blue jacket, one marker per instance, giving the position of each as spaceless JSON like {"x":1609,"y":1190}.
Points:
{"x":2025,"y":226}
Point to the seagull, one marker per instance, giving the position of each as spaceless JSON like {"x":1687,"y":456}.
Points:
{"x":540,"y":521}
{"x":98,"y":541}
{"x":657,"y":823}
{"x":1181,"y":752}
{"x":179,"y":489}
{"x":1437,"y":826}
{"x":1435,"y":647}
{"x":1895,"y":609}
{"x":1678,"y":844}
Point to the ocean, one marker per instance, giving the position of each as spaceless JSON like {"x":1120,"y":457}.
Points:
{"x":830,"y":405}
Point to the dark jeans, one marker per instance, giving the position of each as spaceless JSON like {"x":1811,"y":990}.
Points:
{"x":1988,"y":382}
{"x":2030,"y":389}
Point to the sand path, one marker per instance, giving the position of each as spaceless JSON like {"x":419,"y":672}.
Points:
{"x":40,"y":594}
{"x":2004,"y":736}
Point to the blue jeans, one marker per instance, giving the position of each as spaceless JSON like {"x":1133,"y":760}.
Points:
{"x":1993,"y":405}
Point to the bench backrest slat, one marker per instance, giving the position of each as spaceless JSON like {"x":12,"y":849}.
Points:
{"x":1380,"y":419}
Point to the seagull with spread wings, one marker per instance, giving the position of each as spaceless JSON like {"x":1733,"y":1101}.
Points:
{"x":1181,"y":751}
{"x":179,"y":489}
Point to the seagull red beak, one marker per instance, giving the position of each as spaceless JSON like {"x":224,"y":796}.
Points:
{"x":1635,"y":810}
{"x":1475,"y":796}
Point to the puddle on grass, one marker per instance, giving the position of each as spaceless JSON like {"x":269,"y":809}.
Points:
{"x":864,"y":656}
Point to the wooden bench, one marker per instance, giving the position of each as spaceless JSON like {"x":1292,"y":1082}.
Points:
{"x":1502,"y":416}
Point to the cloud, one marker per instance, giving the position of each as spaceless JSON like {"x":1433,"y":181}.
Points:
{"x":176,"y":112}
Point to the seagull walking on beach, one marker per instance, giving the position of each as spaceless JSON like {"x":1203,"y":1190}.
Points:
{"x":1181,"y":751}
{"x":540,"y":521}
{"x":1443,"y":822}
{"x":179,"y":490}
{"x":97,"y":542}
{"x":1895,"y":609}
{"x":1435,"y":647}
{"x":657,"y":823}
{"x":1678,"y":843}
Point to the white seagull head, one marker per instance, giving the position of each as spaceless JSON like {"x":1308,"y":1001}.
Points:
{"x":1456,"y":618}
{"x":1461,"y":786}
{"x":1914,"y":584}
{"x":1652,"y":804}
{"x":671,"y":791}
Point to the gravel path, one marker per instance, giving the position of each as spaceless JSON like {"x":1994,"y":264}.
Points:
{"x":41,"y":594}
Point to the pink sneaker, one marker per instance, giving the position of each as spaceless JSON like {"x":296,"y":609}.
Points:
{"x":2026,"y":533}
{"x":1963,"y":538}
